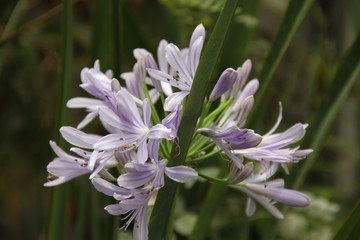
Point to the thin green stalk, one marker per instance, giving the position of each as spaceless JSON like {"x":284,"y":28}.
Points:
{"x":206,"y":156}
{"x":100,"y":46}
{"x":95,"y":230}
{"x":116,"y":6}
{"x":161,"y":213}
{"x":208,"y":208}
{"x":154,"y":114}
{"x":199,"y":150}
{"x":214,"y":179}
{"x":294,"y":15}
{"x":56,"y":223}
{"x":10,"y":26}
{"x":35,"y":22}
{"x":221,"y":109}
{"x":82,"y":209}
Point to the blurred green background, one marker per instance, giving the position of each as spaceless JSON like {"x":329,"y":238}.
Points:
{"x":29,"y":86}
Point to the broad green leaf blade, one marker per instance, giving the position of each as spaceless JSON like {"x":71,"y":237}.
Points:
{"x":328,"y":110}
{"x":57,"y":219}
{"x":163,"y":205}
{"x":351,"y":228}
{"x":294,"y":15}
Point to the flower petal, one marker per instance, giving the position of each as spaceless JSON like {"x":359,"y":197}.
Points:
{"x":109,"y":189}
{"x":283,"y":195}
{"x":79,"y":138}
{"x":175,"y":99}
{"x":82,"y":102}
{"x":88,"y":118}
{"x":225,"y":83}
{"x":159,"y":131}
{"x":181,"y":174}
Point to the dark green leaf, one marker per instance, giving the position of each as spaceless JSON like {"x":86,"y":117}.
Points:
{"x":161,"y":213}
{"x":294,"y":15}
{"x":351,"y":228}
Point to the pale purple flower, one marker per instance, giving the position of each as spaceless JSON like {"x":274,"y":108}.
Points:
{"x":98,"y":160}
{"x":134,"y":80}
{"x":273,"y":146}
{"x":240,"y":108}
{"x":129,"y":129}
{"x":224,"y":84}
{"x":136,"y":210}
{"x":232,"y":138}
{"x":184,"y":64}
{"x":119,"y":193}
{"x":259,"y":188}
{"x":138,"y":175}
{"x":242,"y":76}
{"x":66,"y":167}
{"x":97,"y":84}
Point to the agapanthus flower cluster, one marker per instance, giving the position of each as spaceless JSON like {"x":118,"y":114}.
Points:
{"x":130,"y":162}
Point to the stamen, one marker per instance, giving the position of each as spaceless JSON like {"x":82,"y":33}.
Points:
{"x":51,"y":177}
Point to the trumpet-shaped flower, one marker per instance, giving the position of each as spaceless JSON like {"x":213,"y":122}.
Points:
{"x":184,"y":64}
{"x":257,"y":187}
{"x":130,"y":131}
{"x":66,"y":167}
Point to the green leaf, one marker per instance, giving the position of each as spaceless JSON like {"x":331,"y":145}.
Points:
{"x":100,"y":49}
{"x":161,"y":213}
{"x":322,"y":122}
{"x":57,"y":218}
{"x":328,"y":110}
{"x":294,"y":15}
{"x":351,"y":228}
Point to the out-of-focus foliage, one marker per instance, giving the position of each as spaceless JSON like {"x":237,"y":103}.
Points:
{"x":29,"y":87}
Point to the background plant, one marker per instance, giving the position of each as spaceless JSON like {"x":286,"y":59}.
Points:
{"x":29,"y":63}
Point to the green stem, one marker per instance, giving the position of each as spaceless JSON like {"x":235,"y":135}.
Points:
{"x":222,"y":181}
{"x":56,"y":224}
{"x":206,"y":156}
{"x":11,"y":24}
{"x":116,"y":34}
